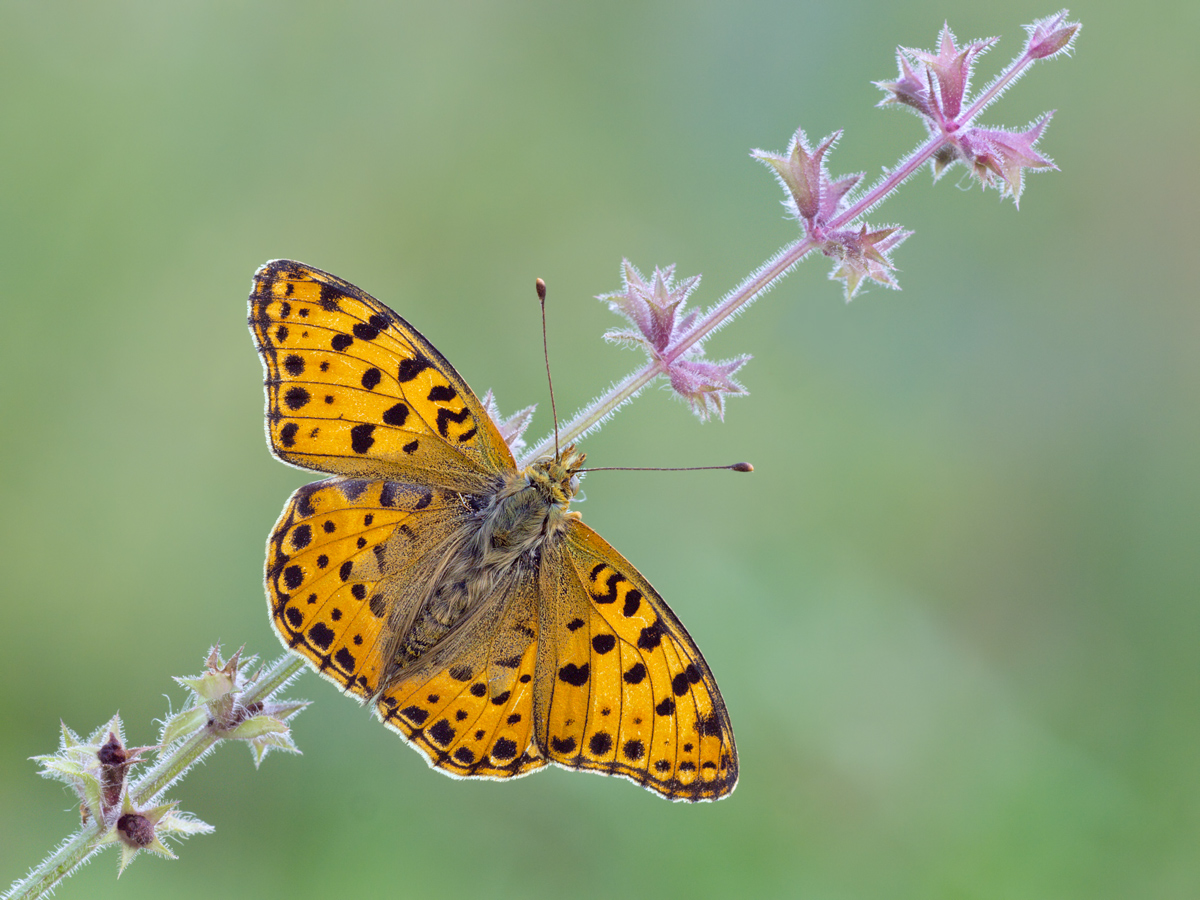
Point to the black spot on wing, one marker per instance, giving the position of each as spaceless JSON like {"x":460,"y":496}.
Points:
{"x":411,"y":368}
{"x":603,"y":643}
{"x":304,"y":501}
{"x":296,"y":398}
{"x":414,"y":714}
{"x":445,"y":417}
{"x":321,"y":636}
{"x":330,"y":296}
{"x":573,"y":674}
{"x":651,"y":635}
{"x":353,"y":488}
{"x":396,"y":415}
{"x":611,"y":595}
{"x":600,"y":743}
{"x":361,"y":438}
{"x":504,"y":749}
{"x":301,"y":536}
{"x":365,"y":332}
{"x":635,"y":674}
{"x":442,"y":732}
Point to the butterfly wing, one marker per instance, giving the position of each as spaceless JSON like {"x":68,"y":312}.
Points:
{"x":469,"y":708}
{"x":623,"y":688}
{"x":344,"y":562}
{"x":346,"y":565}
{"x":353,"y":389}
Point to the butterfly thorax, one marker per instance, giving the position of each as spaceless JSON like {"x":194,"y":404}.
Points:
{"x":502,"y":539}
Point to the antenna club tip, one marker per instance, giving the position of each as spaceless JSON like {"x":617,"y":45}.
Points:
{"x":541,"y":290}
{"x":742,"y":467}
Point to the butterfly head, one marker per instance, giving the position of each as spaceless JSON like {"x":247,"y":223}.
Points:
{"x":557,"y":477}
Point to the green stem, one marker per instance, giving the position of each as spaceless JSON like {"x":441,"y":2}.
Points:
{"x":58,"y":865}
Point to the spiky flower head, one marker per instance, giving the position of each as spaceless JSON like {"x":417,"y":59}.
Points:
{"x":512,"y":428}
{"x":816,"y":199}
{"x":96,"y":769}
{"x":655,"y":308}
{"x":1051,"y":36}
{"x":217,"y":704}
{"x":136,"y":830}
{"x":935,"y":85}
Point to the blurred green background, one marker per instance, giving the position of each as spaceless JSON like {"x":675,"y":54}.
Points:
{"x":954,"y":613}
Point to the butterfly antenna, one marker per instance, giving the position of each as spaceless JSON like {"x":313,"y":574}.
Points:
{"x":735,"y":467}
{"x":541,"y":292}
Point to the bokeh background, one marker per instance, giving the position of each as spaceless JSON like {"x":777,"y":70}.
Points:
{"x":955,"y":613}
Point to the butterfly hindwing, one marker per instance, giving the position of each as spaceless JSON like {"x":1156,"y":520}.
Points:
{"x":629,"y":693}
{"x":470,"y":712}
{"x":353,"y":389}
{"x":335,"y":560}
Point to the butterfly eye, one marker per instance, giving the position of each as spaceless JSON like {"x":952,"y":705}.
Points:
{"x":574,"y":485}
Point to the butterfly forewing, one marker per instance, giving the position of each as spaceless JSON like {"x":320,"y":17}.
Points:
{"x":630,"y":693}
{"x":353,"y":389}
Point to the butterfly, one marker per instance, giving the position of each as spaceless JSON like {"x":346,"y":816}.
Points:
{"x":491,"y":628}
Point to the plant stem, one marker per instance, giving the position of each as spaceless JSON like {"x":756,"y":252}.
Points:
{"x":58,"y":865}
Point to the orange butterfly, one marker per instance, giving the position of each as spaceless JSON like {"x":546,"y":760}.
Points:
{"x":493,"y":630}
